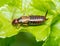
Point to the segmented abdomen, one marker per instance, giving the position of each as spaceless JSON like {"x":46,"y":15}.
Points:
{"x":36,"y":20}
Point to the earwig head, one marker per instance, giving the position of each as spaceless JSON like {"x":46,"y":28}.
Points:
{"x":15,"y":22}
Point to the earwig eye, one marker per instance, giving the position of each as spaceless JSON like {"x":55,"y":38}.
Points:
{"x":15,"y":22}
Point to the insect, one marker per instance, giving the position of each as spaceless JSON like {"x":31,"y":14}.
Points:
{"x":31,"y":20}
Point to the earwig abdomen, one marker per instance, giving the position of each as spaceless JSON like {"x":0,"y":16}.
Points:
{"x":32,"y":20}
{"x":36,"y":20}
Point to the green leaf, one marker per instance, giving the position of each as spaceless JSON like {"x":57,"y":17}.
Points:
{"x":6,"y":28}
{"x":48,"y":30}
{"x":43,"y":30}
{"x":54,"y":38}
{"x":40,"y":32}
{"x":42,"y":5}
{"x":3,"y":2}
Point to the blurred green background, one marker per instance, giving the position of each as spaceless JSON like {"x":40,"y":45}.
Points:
{"x":47,"y":34}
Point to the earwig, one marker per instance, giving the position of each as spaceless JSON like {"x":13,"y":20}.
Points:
{"x":30,"y":20}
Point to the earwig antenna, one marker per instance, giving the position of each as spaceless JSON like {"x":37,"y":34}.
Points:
{"x":13,"y":14}
{"x":46,"y":13}
{"x":24,"y":14}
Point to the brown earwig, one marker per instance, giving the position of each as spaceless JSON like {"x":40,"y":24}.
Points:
{"x":30,"y":20}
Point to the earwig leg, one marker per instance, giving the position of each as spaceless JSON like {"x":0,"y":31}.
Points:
{"x":25,"y":24}
{"x":13,"y":14}
{"x":47,"y":19}
{"x":18,"y":26}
